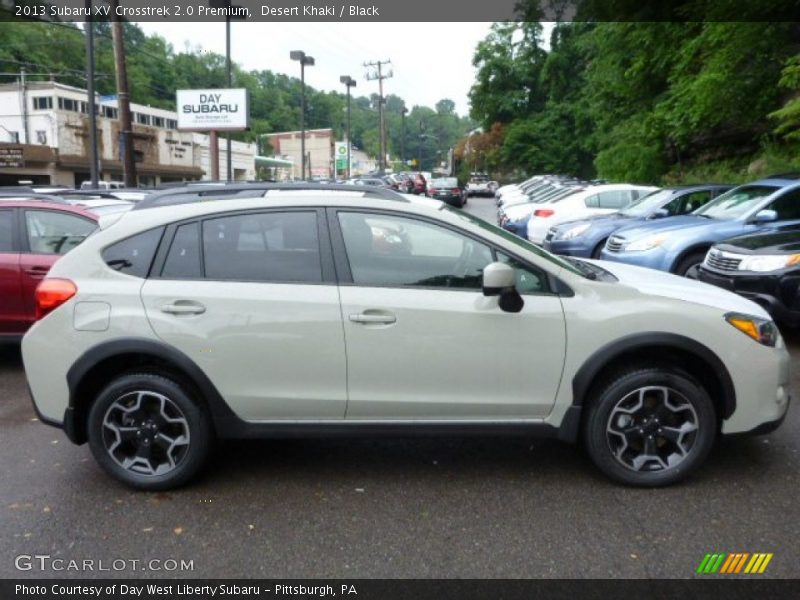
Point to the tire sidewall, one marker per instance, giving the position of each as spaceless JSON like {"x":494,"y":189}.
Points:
{"x":609,"y":396}
{"x":687,"y":262}
{"x":199,"y":431}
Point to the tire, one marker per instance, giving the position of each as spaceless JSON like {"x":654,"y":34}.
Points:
{"x":173,"y":436}
{"x":675,"y":450}
{"x":598,"y":249}
{"x":687,"y":262}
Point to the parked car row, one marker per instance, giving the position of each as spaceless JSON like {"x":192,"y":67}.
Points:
{"x":743,"y":238}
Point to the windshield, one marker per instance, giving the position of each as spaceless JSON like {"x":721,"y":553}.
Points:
{"x":515,"y":239}
{"x":646,"y":205}
{"x":737,"y":202}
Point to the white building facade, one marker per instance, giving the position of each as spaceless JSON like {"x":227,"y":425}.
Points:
{"x":44,"y":139}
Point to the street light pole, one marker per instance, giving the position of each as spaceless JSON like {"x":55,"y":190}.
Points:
{"x":348,"y":82}
{"x":304,"y":60}
{"x":230,"y":84}
{"x":403,"y":113}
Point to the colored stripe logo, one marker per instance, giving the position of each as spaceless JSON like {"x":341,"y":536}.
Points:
{"x":734,"y":563}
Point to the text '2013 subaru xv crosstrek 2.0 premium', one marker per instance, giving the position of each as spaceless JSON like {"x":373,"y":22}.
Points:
{"x":273,"y":311}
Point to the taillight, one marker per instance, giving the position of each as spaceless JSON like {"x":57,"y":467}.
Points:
{"x":456,"y":191}
{"x":543,"y":212}
{"x":432,"y":191}
{"x":52,"y":293}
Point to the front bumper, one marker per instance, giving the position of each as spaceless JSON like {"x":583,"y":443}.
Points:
{"x":767,"y":427}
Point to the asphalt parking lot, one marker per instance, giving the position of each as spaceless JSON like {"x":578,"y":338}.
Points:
{"x":449,"y":507}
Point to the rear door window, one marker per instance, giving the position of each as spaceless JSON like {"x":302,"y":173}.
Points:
{"x":183,"y":258}
{"x":270,"y":247}
{"x":53,"y":232}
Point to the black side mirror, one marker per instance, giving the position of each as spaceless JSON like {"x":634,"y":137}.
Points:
{"x":510,"y":301}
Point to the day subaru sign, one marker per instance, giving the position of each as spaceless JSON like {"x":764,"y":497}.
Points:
{"x":206,"y":110}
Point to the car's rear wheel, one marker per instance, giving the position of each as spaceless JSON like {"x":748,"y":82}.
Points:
{"x":688,"y":262}
{"x":146,"y":431}
{"x":650,"y":426}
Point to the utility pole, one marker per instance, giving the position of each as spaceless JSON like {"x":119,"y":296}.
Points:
{"x":24,"y":87}
{"x":123,"y":102}
{"x":380,"y":76}
{"x":93,"y":159}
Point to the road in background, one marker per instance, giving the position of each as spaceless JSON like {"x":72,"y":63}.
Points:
{"x":432,"y":507}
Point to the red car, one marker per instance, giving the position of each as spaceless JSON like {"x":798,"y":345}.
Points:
{"x":33,"y":234}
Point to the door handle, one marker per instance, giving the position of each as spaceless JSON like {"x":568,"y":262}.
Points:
{"x":372,"y":318}
{"x":183,"y":308}
{"x":37,"y":271}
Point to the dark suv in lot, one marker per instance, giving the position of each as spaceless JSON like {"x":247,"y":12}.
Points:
{"x":764,"y":268}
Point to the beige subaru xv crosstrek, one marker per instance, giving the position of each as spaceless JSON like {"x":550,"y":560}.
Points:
{"x":267,"y":311}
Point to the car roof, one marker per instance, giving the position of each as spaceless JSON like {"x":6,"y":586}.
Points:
{"x":43,"y":204}
{"x":193,"y":194}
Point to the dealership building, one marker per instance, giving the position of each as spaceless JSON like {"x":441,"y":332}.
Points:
{"x":44,"y":139}
{"x":319,"y":151}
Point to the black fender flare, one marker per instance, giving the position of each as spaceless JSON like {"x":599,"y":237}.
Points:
{"x":220,"y":411}
{"x":583,"y":379}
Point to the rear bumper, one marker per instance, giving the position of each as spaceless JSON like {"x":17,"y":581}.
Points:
{"x":68,"y":424}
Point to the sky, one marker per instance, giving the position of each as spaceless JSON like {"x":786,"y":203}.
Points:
{"x":430,"y":61}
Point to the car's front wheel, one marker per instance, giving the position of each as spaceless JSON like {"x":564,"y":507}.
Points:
{"x":650,"y":426}
{"x":145,"y":430}
{"x":689,"y":262}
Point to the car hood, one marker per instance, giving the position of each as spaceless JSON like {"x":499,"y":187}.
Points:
{"x":658,"y":283}
{"x":615,"y":218}
{"x":785,"y":242}
{"x":667,"y":224}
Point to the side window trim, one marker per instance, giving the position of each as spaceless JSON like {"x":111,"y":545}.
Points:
{"x":326,"y":253}
{"x":345,"y":276}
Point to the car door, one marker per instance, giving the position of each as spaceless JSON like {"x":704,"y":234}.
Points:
{"x":252,"y":299}
{"x":12,"y":310}
{"x":47,"y":235}
{"x":422,"y":340}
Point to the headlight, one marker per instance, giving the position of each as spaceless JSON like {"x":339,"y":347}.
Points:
{"x":647,"y":243}
{"x":761,"y":330}
{"x":766,"y":263}
{"x":572,"y":232}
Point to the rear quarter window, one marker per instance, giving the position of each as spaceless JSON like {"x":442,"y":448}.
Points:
{"x":134,"y":255}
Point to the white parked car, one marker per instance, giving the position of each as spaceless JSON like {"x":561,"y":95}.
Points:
{"x":332,"y":310}
{"x":593,"y":200}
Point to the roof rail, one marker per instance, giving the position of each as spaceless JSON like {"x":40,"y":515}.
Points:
{"x":26,"y":196}
{"x":787,"y":175}
{"x":194,"y":193}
